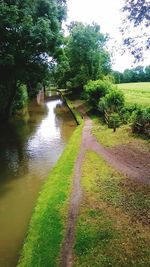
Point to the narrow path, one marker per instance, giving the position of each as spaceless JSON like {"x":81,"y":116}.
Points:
{"x":66,"y":256}
{"x":89,"y":142}
{"x":126,"y":164}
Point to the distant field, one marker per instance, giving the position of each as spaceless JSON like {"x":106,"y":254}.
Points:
{"x":138,"y":93}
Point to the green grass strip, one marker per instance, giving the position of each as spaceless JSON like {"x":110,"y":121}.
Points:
{"x":123,"y":136}
{"x":46,"y":230}
{"x":112,"y":227}
{"x":75,"y":113}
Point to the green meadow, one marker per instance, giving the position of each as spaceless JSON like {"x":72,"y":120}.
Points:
{"x":136,"y":93}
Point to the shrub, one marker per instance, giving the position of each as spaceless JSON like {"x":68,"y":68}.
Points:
{"x":141,"y":121}
{"x":69,"y":85}
{"x":112,"y":102}
{"x":114,"y":121}
{"x":21,"y":98}
{"x":102,"y":105}
{"x":127,"y":112}
{"x":115,"y":100}
{"x":94,"y":90}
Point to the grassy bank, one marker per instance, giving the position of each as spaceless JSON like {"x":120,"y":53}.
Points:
{"x":122,"y":136}
{"x":46,"y":230}
{"x":136,"y":93}
{"x":112,"y":228}
{"x":74,"y":111}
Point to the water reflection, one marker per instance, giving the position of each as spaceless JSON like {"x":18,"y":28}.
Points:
{"x":48,"y":129}
{"x":28,"y":150}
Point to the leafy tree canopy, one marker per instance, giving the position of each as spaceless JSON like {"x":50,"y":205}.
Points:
{"x":112,"y":102}
{"x":137,"y":16}
{"x":95,"y":90}
{"x":84,"y":56}
{"x":138,"y":11}
{"x":137,"y":74}
{"x":30,"y":32}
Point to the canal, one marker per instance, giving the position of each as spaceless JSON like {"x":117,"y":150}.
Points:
{"x":29,"y":149}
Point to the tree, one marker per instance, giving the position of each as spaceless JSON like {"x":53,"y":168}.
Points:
{"x":84,"y":57}
{"x":141,"y":121}
{"x":112,"y":102}
{"x":114,"y":121}
{"x":95,"y":90}
{"x":30,"y":32}
{"x":128,"y":76}
{"x":139,"y":74}
{"x":147,"y":73}
{"x":61,"y":70}
{"x":110,"y":106}
{"x":138,"y":11}
{"x":118,"y":76}
{"x":137,"y":15}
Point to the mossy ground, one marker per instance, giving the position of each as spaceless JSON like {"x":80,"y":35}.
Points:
{"x":73,"y":109}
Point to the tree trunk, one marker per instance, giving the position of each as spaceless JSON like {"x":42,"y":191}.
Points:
{"x":44,"y":88}
{"x":8,"y":91}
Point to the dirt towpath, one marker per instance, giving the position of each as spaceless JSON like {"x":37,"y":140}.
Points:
{"x":121,"y":162}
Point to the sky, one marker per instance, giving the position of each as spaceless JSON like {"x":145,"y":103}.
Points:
{"x":108,"y":15}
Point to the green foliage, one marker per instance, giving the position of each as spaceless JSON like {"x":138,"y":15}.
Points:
{"x":136,"y":15}
{"x":141,"y":121}
{"x":147,"y":73}
{"x":30,"y":31}
{"x":137,"y":74}
{"x":127,"y":112}
{"x":112,"y":102}
{"x":21,"y":98}
{"x":38,"y":72}
{"x":118,"y":76}
{"x":134,"y":75}
{"x":109,"y":101}
{"x":75,"y":113}
{"x":123,"y":136}
{"x":115,"y":100}
{"x":114,"y":121}
{"x":84,"y":57}
{"x":61,"y":72}
{"x":95,"y":90}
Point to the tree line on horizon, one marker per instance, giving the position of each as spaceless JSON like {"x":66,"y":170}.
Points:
{"x":137,"y":74}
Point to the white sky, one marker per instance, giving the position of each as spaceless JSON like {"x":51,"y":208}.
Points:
{"x":107,"y":14}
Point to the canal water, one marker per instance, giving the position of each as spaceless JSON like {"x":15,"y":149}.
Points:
{"x":28,"y":150}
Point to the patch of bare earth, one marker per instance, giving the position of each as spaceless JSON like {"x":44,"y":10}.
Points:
{"x":126,"y":159}
{"x":138,"y":162}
